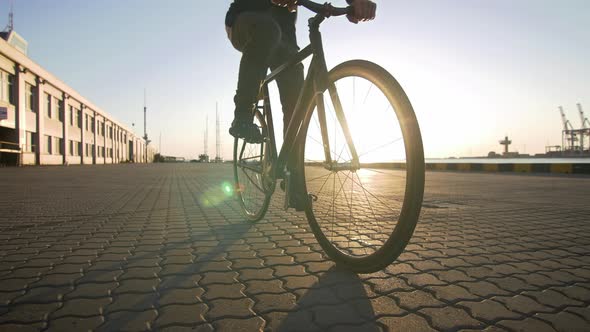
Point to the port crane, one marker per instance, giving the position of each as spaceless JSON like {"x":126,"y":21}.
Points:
{"x":568,"y":134}
{"x":585,"y":129}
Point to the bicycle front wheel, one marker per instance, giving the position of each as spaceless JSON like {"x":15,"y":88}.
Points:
{"x":253,"y":185}
{"x":363,"y":214}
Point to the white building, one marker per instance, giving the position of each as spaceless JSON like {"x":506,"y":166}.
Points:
{"x":45,"y":122}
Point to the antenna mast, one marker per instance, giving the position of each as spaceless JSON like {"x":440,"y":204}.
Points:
{"x":144,"y":115}
{"x":145,"y":135}
{"x":218,"y":136}
{"x":10,"y":25}
{"x":206,"y":135}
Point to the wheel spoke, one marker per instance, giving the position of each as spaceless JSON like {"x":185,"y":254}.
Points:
{"x":374,"y":196}
{"x":384,"y":173}
{"x":250,"y":158}
{"x":367,"y":95}
{"x":323,"y":184}
{"x":381,"y":146}
{"x":319,"y":177}
{"x":252,"y":181}
{"x":254,"y":169}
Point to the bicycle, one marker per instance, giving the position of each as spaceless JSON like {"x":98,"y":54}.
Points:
{"x":336,"y":170}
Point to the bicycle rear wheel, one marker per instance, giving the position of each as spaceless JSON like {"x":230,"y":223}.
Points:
{"x":363,"y":216}
{"x":253,"y":185}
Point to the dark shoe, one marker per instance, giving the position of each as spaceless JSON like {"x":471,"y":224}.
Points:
{"x":298,"y":201}
{"x":297,"y":198}
{"x":246,"y":130}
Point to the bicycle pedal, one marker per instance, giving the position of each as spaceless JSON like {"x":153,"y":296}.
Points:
{"x":312,"y":197}
{"x":282,"y":185}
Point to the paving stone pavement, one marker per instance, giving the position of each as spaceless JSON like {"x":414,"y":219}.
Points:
{"x":160,"y":247}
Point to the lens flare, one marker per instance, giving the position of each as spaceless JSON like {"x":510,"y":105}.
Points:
{"x":217,"y":195}
{"x":228,"y":189}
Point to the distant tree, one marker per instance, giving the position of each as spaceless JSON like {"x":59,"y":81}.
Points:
{"x":158,"y":158}
{"x":203,"y":158}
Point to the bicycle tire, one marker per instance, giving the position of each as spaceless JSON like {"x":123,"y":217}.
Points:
{"x":253,"y":213}
{"x":414,"y":178}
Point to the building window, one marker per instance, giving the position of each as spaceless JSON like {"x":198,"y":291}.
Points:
{"x":6,"y":87}
{"x":30,"y":98}
{"x":58,"y":109}
{"x":71,"y":115}
{"x":48,"y":141}
{"x":75,"y":148}
{"x":58,"y":148}
{"x":92,"y":124}
{"x":79,"y":118}
{"x":3,"y":86}
{"x":30,"y":141}
{"x":11,"y":97}
{"x":48,"y":105}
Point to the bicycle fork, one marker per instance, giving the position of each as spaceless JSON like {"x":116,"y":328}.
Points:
{"x":329,"y":164}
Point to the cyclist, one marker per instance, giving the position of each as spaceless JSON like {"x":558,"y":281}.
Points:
{"x":264,"y":31}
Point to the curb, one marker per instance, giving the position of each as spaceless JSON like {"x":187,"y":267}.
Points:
{"x":513,"y":168}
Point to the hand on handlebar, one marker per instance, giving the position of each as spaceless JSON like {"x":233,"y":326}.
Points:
{"x":290,"y":4}
{"x":362,"y":11}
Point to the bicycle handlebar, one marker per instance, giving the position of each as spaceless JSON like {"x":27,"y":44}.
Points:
{"x":326,"y":9}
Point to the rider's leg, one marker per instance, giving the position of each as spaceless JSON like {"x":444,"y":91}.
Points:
{"x":256,"y":35}
{"x":289,"y":83}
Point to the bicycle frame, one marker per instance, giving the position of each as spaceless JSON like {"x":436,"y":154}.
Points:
{"x":315,"y":84}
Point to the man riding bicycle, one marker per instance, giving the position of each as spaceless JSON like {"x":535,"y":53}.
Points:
{"x":264,"y":31}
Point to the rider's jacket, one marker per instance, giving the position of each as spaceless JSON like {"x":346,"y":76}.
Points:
{"x":240,"y":6}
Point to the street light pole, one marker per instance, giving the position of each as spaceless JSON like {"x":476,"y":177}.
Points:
{"x":145,"y":135}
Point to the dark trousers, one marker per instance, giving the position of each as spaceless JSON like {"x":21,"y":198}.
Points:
{"x":266,"y":39}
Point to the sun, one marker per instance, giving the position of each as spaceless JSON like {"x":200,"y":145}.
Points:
{"x":374,"y":126}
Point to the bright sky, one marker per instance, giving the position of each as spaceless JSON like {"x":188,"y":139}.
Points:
{"x":474,"y":70}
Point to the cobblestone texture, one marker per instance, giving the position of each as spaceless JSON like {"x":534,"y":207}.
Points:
{"x":160,"y":247}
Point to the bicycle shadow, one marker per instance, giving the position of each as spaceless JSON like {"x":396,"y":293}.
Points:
{"x":227,"y":235}
{"x":337,"y":301}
